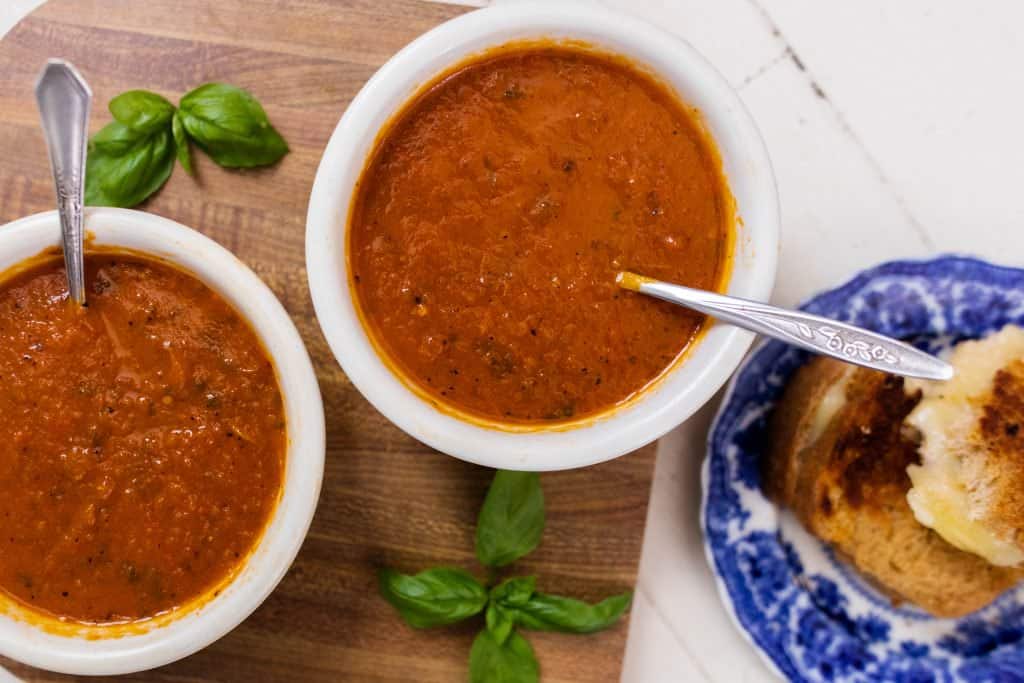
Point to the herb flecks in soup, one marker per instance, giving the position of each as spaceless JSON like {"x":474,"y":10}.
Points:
{"x":142,"y":440}
{"x":495,"y":213}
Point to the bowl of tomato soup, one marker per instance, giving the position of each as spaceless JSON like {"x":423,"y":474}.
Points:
{"x":476,"y":202}
{"x":163,"y":445}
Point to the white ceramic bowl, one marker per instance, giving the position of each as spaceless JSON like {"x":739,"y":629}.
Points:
{"x":232,"y":279}
{"x":682,"y":391}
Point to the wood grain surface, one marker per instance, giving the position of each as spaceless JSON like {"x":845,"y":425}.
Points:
{"x":387,"y":500}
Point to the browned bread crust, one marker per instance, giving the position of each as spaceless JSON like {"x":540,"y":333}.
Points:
{"x":847,"y":483}
{"x":792,"y":424}
{"x":1000,"y":443}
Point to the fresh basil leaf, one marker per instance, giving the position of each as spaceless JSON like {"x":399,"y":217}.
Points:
{"x":501,"y":614}
{"x":551,"y":613}
{"x":231,"y":126}
{"x":515,"y":591}
{"x":181,"y":144}
{"x":434,"y":597}
{"x":500,"y":622}
{"x":511,"y":520}
{"x":115,"y":138}
{"x":142,"y":111}
{"x":510,"y":662}
{"x":124,"y":166}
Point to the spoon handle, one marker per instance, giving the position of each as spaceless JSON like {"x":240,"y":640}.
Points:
{"x":811,"y":332}
{"x":64,"y":101}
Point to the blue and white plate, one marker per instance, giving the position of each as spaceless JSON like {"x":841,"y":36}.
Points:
{"x":811,"y":616}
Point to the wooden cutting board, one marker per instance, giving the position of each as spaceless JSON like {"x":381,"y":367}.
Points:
{"x":387,"y":500}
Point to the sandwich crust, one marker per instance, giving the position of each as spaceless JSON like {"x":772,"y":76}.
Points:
{"x":841,"y":466}
{"x":1000,"y":438}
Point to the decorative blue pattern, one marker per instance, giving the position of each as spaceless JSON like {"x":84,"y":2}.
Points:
{"x":812,"y":617}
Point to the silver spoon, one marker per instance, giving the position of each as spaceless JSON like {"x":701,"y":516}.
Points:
{"x":64,"y":101}
{"x":811,"y":332}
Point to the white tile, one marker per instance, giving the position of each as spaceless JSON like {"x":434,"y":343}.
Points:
{"x":838,"y":215}
{"x":675,"y":577}
{"x":731,"y":34}
{"x":935,"y":92}
{"x":655,"y":654}
{"x":11,"y":12}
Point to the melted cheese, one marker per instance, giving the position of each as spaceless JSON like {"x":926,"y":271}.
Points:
{"x":945,"y":495}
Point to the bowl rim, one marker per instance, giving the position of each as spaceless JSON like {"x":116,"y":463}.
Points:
{"x":213,"y":617}
{"x":707,"y":365}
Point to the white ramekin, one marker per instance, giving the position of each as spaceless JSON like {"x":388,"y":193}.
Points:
{"x":682,"y":391}
{"x":86,"y":654}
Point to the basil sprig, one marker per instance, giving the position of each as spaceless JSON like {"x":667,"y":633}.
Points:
{"x":509,"y":526}
{"x":505,"y":598}
{"x":132,"y":157}
{"x":231,"y":126}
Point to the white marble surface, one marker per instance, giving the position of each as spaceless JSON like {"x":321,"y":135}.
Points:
{"x":895,"y":130}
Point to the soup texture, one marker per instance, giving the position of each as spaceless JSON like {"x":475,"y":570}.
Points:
{"x":143,"y":440}
{"x":495,"y":212}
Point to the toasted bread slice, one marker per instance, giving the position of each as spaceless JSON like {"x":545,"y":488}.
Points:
{"x":838,"y":458}
{"x":969,"y":486}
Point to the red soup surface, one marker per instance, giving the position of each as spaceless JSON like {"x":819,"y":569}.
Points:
{"x":143,"y":440}
{"x":495,"y":212}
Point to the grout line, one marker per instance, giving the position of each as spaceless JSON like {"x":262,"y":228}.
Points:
{"x":764,"y":68}
{"x":844,"y":124}
{"x":676,"y":636}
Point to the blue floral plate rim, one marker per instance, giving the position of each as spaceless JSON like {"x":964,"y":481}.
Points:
{"x":945,"y":265}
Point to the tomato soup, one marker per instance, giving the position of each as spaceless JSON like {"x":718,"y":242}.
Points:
{"x":495,"y":212}
{"x":143,"y":440}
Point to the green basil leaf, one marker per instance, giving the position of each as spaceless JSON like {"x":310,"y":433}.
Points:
{"x":551,"y":613}
{"x":124,"y":166}
{"x":510,"y":662}
{"x":231,"y":126}
{"x":181,"y":144}
{"x":434,"y":597}
{"x":142,"y":111}
{"x":514,"y":591}
{"x":500,"y":622}
{"x":511,"y":520}
{"x":115,"y":138}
